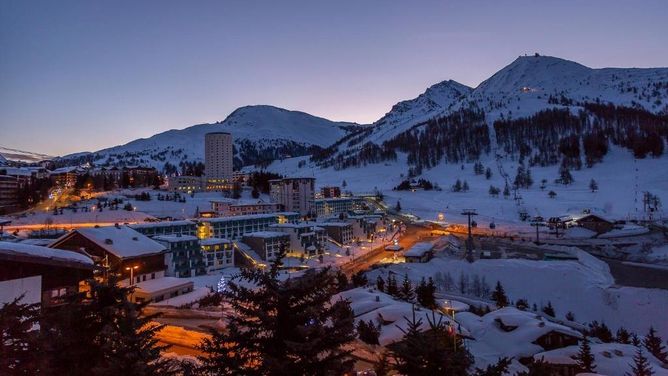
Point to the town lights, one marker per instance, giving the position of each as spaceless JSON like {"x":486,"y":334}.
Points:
{"x":132,"y":269}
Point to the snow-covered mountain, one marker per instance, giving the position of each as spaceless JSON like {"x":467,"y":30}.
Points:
{"x":435,"y":100}
{"x":259,"y":132}
{"x":9,"y":154}
{"x":533,"y":83}
{"x":526,"y":86}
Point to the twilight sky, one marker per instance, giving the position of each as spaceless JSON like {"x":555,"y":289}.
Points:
{"x":84,"y":75}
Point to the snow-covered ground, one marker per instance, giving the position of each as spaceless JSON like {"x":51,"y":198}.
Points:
{"x":616,"y":177}
{"x":584,"y":287}
{"x":609,"y":358}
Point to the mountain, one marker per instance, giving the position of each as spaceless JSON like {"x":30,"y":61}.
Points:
{"x":260,"y":133}
{"x":436,"y":99}
{"x":453,"y":123}
{"x":449,"y":122}
{"x":9,"y":154}
{"x":530,"y":83}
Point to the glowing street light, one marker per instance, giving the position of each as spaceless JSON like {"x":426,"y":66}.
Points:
{"x":132,"y":269}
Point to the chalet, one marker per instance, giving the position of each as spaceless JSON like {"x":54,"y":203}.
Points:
{"x":119,"y":249}
{"x":595,"y":223}
{"x":513,"y":333}
{"x":42,"y":275}
{"x":420,"y":252}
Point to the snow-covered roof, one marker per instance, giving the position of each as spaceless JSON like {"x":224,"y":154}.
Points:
{"x":239,"y":217}
{"x":333,"y":199}
{"x":610,"y":358}
{"x":391,"y":314}
{"x":11,"y":248}
{"x":334,"y":224}
{"x":121,"y":241}
{"x":266,"y":234}
{"x":162,"y":224}
{"x":175,"y":238}
{"x":523,"y":328}
{"x":213,"y":241}
{"x":419,"y":249}
{"x":152,"y":286}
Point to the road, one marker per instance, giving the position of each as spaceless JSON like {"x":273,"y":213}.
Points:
{"x":410,"y":236}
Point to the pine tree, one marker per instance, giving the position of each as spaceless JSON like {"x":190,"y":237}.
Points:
{"x":398,"y":206}
{"x":593,"y":185}
{"x":382,"y":365}
{"x":549,"y":310}
{"x":102,"y":333}
{"x":279,"y":327}
{"x":552,"y":194}
{"x":623,"y":336}
{"x":368,"y":332}
{"x":341,"y":281}
{"x":654,"y":344}
{"x":19,"y":344}
{"x":425,"y":293}
{"x":506,"y":191}
{"x":465,"y":186}
{"x":392,"y":287}
{"x":499,"y":296}
{"x":585,"y":359}
{"x":406,"y":292}
{"x":641,"y":365}
{"x":488,"y":173}
{"x":570,"y":316}
{"x":458,"y":186}
{"x":380,"y":284}
{"x":359,"y":279}
{"x":432,"y":352}
{"x":497,"y":369}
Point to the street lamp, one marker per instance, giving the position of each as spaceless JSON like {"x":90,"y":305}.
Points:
{"x":132,"y":269}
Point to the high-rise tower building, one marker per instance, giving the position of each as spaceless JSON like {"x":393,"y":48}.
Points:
{"x":218,"y":160}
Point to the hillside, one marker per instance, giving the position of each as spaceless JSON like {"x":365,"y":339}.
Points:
{"x":543,"y":106}
{"x":260,"y":133}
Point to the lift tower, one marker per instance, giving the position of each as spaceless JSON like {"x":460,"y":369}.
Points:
{"x":469,"y":240}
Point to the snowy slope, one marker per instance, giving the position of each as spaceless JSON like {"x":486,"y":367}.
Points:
{"x":9,"y":154}
{"x":403,"y":115}
{"x":528,"y":85}
{"x":261,"y":126}
{"x":529,"y":81}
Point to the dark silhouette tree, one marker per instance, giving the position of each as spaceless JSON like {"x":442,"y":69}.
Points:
{"x":430,"y":352}
{"x":499,"y":296}
{"x":584,"y":358}
{"x":279,"y":327}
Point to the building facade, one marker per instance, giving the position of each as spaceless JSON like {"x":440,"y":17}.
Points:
{"x":218,"y":253}
{"x":267,"y":244}
{"x":234,"y":228}
{"x":226,"y":208}
{"x":151,"y":229}
{"x":340,"y":232}
{"x":218,"y":158}
{"x":9,"y":194}
{"x":184,"y":255}
{"x":327,"y":207}
{"x":42,"y":275}
{"x":294,"y":194}
{"x":306,"y":239}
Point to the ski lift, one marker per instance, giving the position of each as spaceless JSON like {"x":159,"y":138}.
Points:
{"x":492,"y":225}
{"x":474,"y":224}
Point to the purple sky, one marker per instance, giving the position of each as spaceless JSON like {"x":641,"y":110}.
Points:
{"x":85,"y":75}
